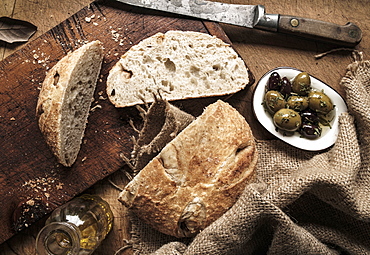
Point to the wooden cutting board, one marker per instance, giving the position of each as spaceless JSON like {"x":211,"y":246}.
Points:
{"x":28,"y":171}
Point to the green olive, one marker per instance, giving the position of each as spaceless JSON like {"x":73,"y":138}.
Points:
{"x":287,"y":120}
{"x":274,"y":101}
{"x":297,"y":103}
{"x":301,"y":84}
{"x":320,"y":102}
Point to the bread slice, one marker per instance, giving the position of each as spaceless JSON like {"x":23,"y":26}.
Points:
{"x":65,"y":99}
{"x":196,"y":177}
{"x":178,"y":65}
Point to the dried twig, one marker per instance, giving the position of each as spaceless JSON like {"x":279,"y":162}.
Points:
{"x":334,"y":50}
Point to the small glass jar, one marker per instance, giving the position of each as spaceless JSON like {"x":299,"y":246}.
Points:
{"x":78,"y":227}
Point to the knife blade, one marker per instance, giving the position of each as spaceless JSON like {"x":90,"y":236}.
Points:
{"x":254,"y":16}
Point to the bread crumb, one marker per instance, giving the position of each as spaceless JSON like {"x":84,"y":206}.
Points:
{"x":43,"y":184}
{"x":12,"y":119}
{"x":88,"y":19}
{"x":31,"y":202}
{"x":59,"y":186}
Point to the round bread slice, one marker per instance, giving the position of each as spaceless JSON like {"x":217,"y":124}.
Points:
{"x":178,"y":65}
{"x":196,"y":177}
{"x":65,"y":99}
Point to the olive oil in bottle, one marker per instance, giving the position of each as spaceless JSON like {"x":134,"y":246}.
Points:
{"x":77,"y":227}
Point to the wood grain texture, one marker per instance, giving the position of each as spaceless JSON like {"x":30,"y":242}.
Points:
{"x":261,"y":50}
{"x":28,"y":170}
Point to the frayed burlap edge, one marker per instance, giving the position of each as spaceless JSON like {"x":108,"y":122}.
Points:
{"x":334,"y":197}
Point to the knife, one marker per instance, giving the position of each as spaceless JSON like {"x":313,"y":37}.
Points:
{"x":254,"y":16}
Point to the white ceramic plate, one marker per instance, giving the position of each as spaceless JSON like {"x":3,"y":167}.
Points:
{"x":328,"y":136}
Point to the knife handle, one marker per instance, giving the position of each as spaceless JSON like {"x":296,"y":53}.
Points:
{"x":346,"y":35}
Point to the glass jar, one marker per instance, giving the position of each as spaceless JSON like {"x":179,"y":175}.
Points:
{"x":78,"y":227}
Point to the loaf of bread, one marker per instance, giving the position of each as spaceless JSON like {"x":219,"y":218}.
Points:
{"x":196,"y":177}
{"x":65,"y":99}
{"x":178,"y":65}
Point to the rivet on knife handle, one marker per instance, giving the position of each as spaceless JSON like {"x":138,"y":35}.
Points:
{"x":346,"y":35}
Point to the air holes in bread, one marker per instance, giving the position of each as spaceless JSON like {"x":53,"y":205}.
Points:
{"x":194,"y":70}
{"x":170,"y":66}
{"x":127,"y":74}
{"x":216,"y":67}
{"x":167,"y":84}
{"x":176,"y":56}
{"x":56,"y":78}
{"x":77,"y":114}
{"x":147,"y":59}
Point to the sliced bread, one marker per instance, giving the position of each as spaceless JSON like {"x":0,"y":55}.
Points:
{"x":178,"y":65}
{"x":65,"y":99}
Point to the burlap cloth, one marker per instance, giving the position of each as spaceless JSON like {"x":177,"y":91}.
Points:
{"x":302,"y":203}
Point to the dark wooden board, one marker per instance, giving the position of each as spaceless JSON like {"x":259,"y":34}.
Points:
{"x":28,"y":170}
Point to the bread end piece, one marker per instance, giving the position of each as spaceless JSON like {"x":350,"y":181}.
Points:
{"x":65,"y":99}
{"x":198,"y":176}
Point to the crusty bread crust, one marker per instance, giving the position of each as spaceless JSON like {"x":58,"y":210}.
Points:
{"x":198,"y":176}
{"x":178,"y":65}
{"x":65,"y":98}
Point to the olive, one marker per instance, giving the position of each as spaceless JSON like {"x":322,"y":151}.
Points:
{"x":274,"y":101}
{"x":319,"y":102}
{"x":309,"y":116}
{"x":297,"y":103}
{"x":274,"y":81}
{"x":286,"y":87}
{"x":302,"y":84}
{"x":287,"y":119}
{"x":310,"y":131}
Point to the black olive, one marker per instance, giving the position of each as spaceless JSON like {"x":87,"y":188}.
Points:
{"x":274,"y":81}
{"x":310,"y":131}
{"x":286,"y":87}
{"x":310,"y":116}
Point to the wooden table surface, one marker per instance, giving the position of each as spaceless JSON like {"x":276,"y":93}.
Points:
{"x":260,"y":50}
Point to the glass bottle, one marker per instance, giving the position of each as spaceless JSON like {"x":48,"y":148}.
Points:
{"x":77,"y":227}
